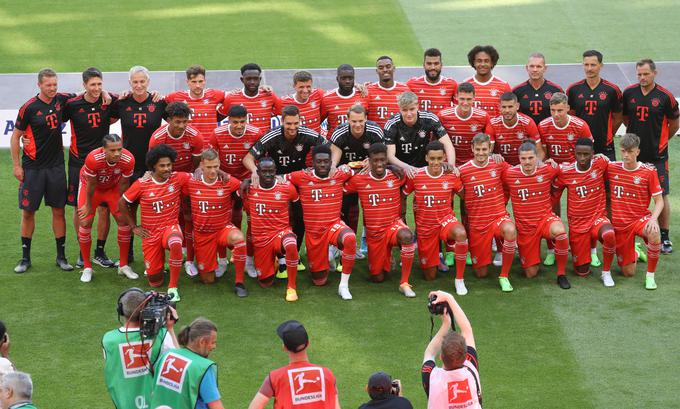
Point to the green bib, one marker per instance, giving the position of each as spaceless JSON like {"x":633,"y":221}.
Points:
{"x":27,"y":406}
{"x":126,"y":368}
{"x":177,"y":379}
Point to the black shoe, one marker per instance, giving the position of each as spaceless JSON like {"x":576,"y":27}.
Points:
{"x":666,"y":247}
{"x":563,"y":282}
{"x":79,"y":262}
{"x":63,"y":264}
{"x":103,"y":260}
{"x":24,"y":264}
{"x":241,"y":290}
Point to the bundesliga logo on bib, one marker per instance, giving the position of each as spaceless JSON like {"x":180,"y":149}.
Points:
{"x":135,"y":358}
{"x":173,"y":372}
{"x":306,"y":385}
{"x":459,"y":393}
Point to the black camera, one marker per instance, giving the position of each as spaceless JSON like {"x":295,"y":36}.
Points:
{"x":152,"y":317}
{"x":437,"y":309}
{"x":396,"y":387}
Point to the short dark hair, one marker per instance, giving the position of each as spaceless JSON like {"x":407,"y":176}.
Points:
{"x":90,"y":73}
{"x":46,"y":72}
{"x":377,"y":148}
{"x":593,"y":53}
{"x":157,"y":153}
{"x":178,"y":109}
{"x":528,"y":146}
{"x":251,"y":66}
{"x":646,"y":61}
{"x":325,"y":148}
{"x":629,"y":141}
{"x":384,"y":57}
{"x":265,"y":159}
{"x":434,"y":146}
{"x":3,"y":331}
{"x":481,"y":138}
{"x":489,"y":49}
{"x":301,"y":76}
{"x":209,"y":154}
{"x":509,"y":96}
{"x":238,"y":111}
{"x":345,"y":67}
{"x":466,"y":87}
{"x":584,"y":142}
{"x":454,"y":349}
{"x":289,"y":110}
{"x":195,"y":70}
{"x":432,"y":52}
{"x":357,"y":109}
{"x":112,"y":137}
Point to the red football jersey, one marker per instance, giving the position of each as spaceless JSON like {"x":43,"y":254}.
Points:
{"x":484,"y":194}
{"x":321,"y":198}
{"x":488,"y":94}
{"x":188,"y":145}
{"x":432,"y":201}
{"x":382,"y":102}
{"x":310,"y":110}
{"x":232,"y":149}
{"x":203,"y":109}
{"x":559,"y":143}
{"x":434,"y":97}
{"x":462,"y":130}
{"x":586,"y":200}
{"x":631,"y":191}
{"x":380,"y":200}
{"x":268,"y":210}
{"x":530,"y":195}
{"x":211,"y":203}
{"x":106,"y":174}
{"x":260,"y":108}
{"x":159,"y":201}
{"x":334,"y":107}
{"x":509,"y":138}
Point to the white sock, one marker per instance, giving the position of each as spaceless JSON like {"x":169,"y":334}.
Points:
{"x":606,"y":272}
{"x":551,"y":251}
{"x":650,"y":274}
{"x":344,"y":279}
{"x":249,"y":260}
{"x":593,"y":250}
{"x":282,"y":261}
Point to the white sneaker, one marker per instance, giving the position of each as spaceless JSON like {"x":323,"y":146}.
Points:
{"x":332,"y":265}
{"x":494,"y":248}
{"x":86,"y":275}
{"x":407,"y":290}
{"x":359,"y":255}
{"x":250,"y":268}
{"x":607,"y":279}
{"x":460,"y":286}
{"x":190,"y":269}
{"x":498,"y":259}
{"x":344,"y":293}
{"x":145,"y":273}
{"x":222,"y":264}
{"x":127,"y":272}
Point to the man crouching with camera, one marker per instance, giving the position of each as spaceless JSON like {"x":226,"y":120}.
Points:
{"x":131,"y":351}
{"x":456,"y":384}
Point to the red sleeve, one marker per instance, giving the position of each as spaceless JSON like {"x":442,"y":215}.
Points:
{"x":212,"y":143}
{"x":489,"y":130}
{"x":293,"y":193}
{"x":132,"y":194}
{"x":90,"y":166}
{"x":457,"y":184}
{"x":172,"y":97}
{"x":219,"y":95}
{"x":266,"y":389}
{"x":294,"y":177}
{"x":129,"y":167}
{"x":508,"y":88}
{"x":233,"y":184}
{"x":408,"y":186}
{"x":278,"y":105}
{"x":585,"y":131}
{"x":654,"y":185}
{"x":350,"y":185}
{"x":226,"y":103}
{"x":183,"y":178}
{"x":153,"y":142}
{"x":532,"y":130}
{"x":198,"y":145}
{"x":186,"y":190}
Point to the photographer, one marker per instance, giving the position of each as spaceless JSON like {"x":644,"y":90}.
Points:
{"x":129,"y":358}
{"x":6,"y":365}
{"x":456,"y":384}
{"x":385,"y":393}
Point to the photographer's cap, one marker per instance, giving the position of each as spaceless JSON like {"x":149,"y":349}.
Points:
{"x":379,"y":384}
{"x":294,"y":335}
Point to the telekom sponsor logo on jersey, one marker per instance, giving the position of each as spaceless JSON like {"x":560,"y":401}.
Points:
{"x":306,"y":385}
{"x":135,"y":358}
{"x":459,"y":394}
{"x":173,"y":372}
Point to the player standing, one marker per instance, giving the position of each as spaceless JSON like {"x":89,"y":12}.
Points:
{"x":267,"y":201}
{"x":435,"y":92}
{"x":321,"y":197}
{"x":260,"y":103}
{"x":632,"y":184}
{"x":586,"y":212}
{"x":435,"y":220}
{"x":560,"y":132}
{"x":380,"y":194}
{"x":529,"y":186}
{"x":511,"y":128}
{"x":103,"y":179}
{"x":485,"y":205}
{"x":651,"y":112}
{"x":159,"y":198}
{"x":337,"y":102}
{"x":211,"y":206}
{"x":306,"y":98}
{"x":383,"y":94}
{"x":40,"y":171}
{"x":488,"y":87}
{"x":535,"y":93}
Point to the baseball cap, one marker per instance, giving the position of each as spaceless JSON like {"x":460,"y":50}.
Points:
{"x":379,"y":384}
{"x":294,"y":335}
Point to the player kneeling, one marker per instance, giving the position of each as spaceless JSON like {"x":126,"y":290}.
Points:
{"x":103,"y":178}
{"x":159,"y":198}
{"x":267,"y":205}
{"x":435,"y":219}
{"x":321,"y":197}
{"x":632,"y":184}
{"x":211,"y":210}
{"x":380,"y":197}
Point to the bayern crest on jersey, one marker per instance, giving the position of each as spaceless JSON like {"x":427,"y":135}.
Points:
{"x":116,"y":171}
{"x":570,"y":136}
{"x":277,"y":195}
{"x":445,"y":185}
{"x":198,"y":193}
{"x":366,"y":145}
{"x":637,"y":180}
{"x":186,"y":145}
{"x":492,"y":173}
{"x":171,"y":188}
{"x":547,"y":95}
{"x":333,"y":182}
{"x":422,"y":133}
{"x":520,"y":135}
{"x":593,"y":174}
{"x":299,"y":147}
{"x":390,"y":183}
{"x":247,"y":145}
{"x":603,"y":95}
{"x":493,"y":92}
{"x":152,"y":107}
{"x":263,"y":104}
{"x":313,"y":104}
{"x":655,"y":102}
{"x":473,"y":127}
{"x":206,"y":101}
{"x":442,"y":91}
{"x":220,"y":192}
{"x":539,"y":178}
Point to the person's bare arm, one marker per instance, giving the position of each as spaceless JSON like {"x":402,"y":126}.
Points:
{"x":259,"y":401}
{"x":461,"y":319}
{"x":435,"y":344}
{"x":84,"y":211}
{"x":15,"y":149}
{"x":249,"y":163}
{"x":336,"y":155}
{"x":617,"y":120}
{"x":448,"y":149}
{"x":540,"y":152}
{"x":130,"y":221}
{"x":652,"y":225}
{"x":673,"y":126}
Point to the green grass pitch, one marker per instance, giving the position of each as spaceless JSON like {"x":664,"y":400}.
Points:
{"x":539,"y":347}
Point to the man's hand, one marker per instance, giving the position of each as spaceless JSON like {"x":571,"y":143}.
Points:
{"x":266,"y":88}
{"x":125,"y":94}
{"x":198,"y":173}
{"x":141,"y":232}
{"x":147,"y":176}
{"x":156,"y":96}
{"x":449,"y":168}
{"x":552,"y":163}
{"x":19,"y":173}
{"x":245,"y":185}
{"x":222,"y":175}
{"x":332,"y":171}
{"x":398,"y":172}
{"x":255,"y":179}
{"x":410,"y":171}
{"x":84,"y":211}
{"x":106,"y":98}
{"x":171,"y":318}
{"x":362,"y":88}
{"x":4,"y":347}
{"x":496,"y":157}
{"x":652,"y":227}
{"x":601,"y":156}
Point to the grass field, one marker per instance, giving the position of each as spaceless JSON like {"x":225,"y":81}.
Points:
{"x":539,"y":347}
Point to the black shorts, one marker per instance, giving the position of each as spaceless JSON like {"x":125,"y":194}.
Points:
{"x":49,"y":183}
{"x":73,"y":183}
{"x":662,"y":171}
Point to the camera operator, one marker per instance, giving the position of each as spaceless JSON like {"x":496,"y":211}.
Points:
{"x":16,"y":391}
{"x":456,"y":384}
{"x":6,"y":365}
{"x":385,"y":393}
{"x":129,"y":357}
